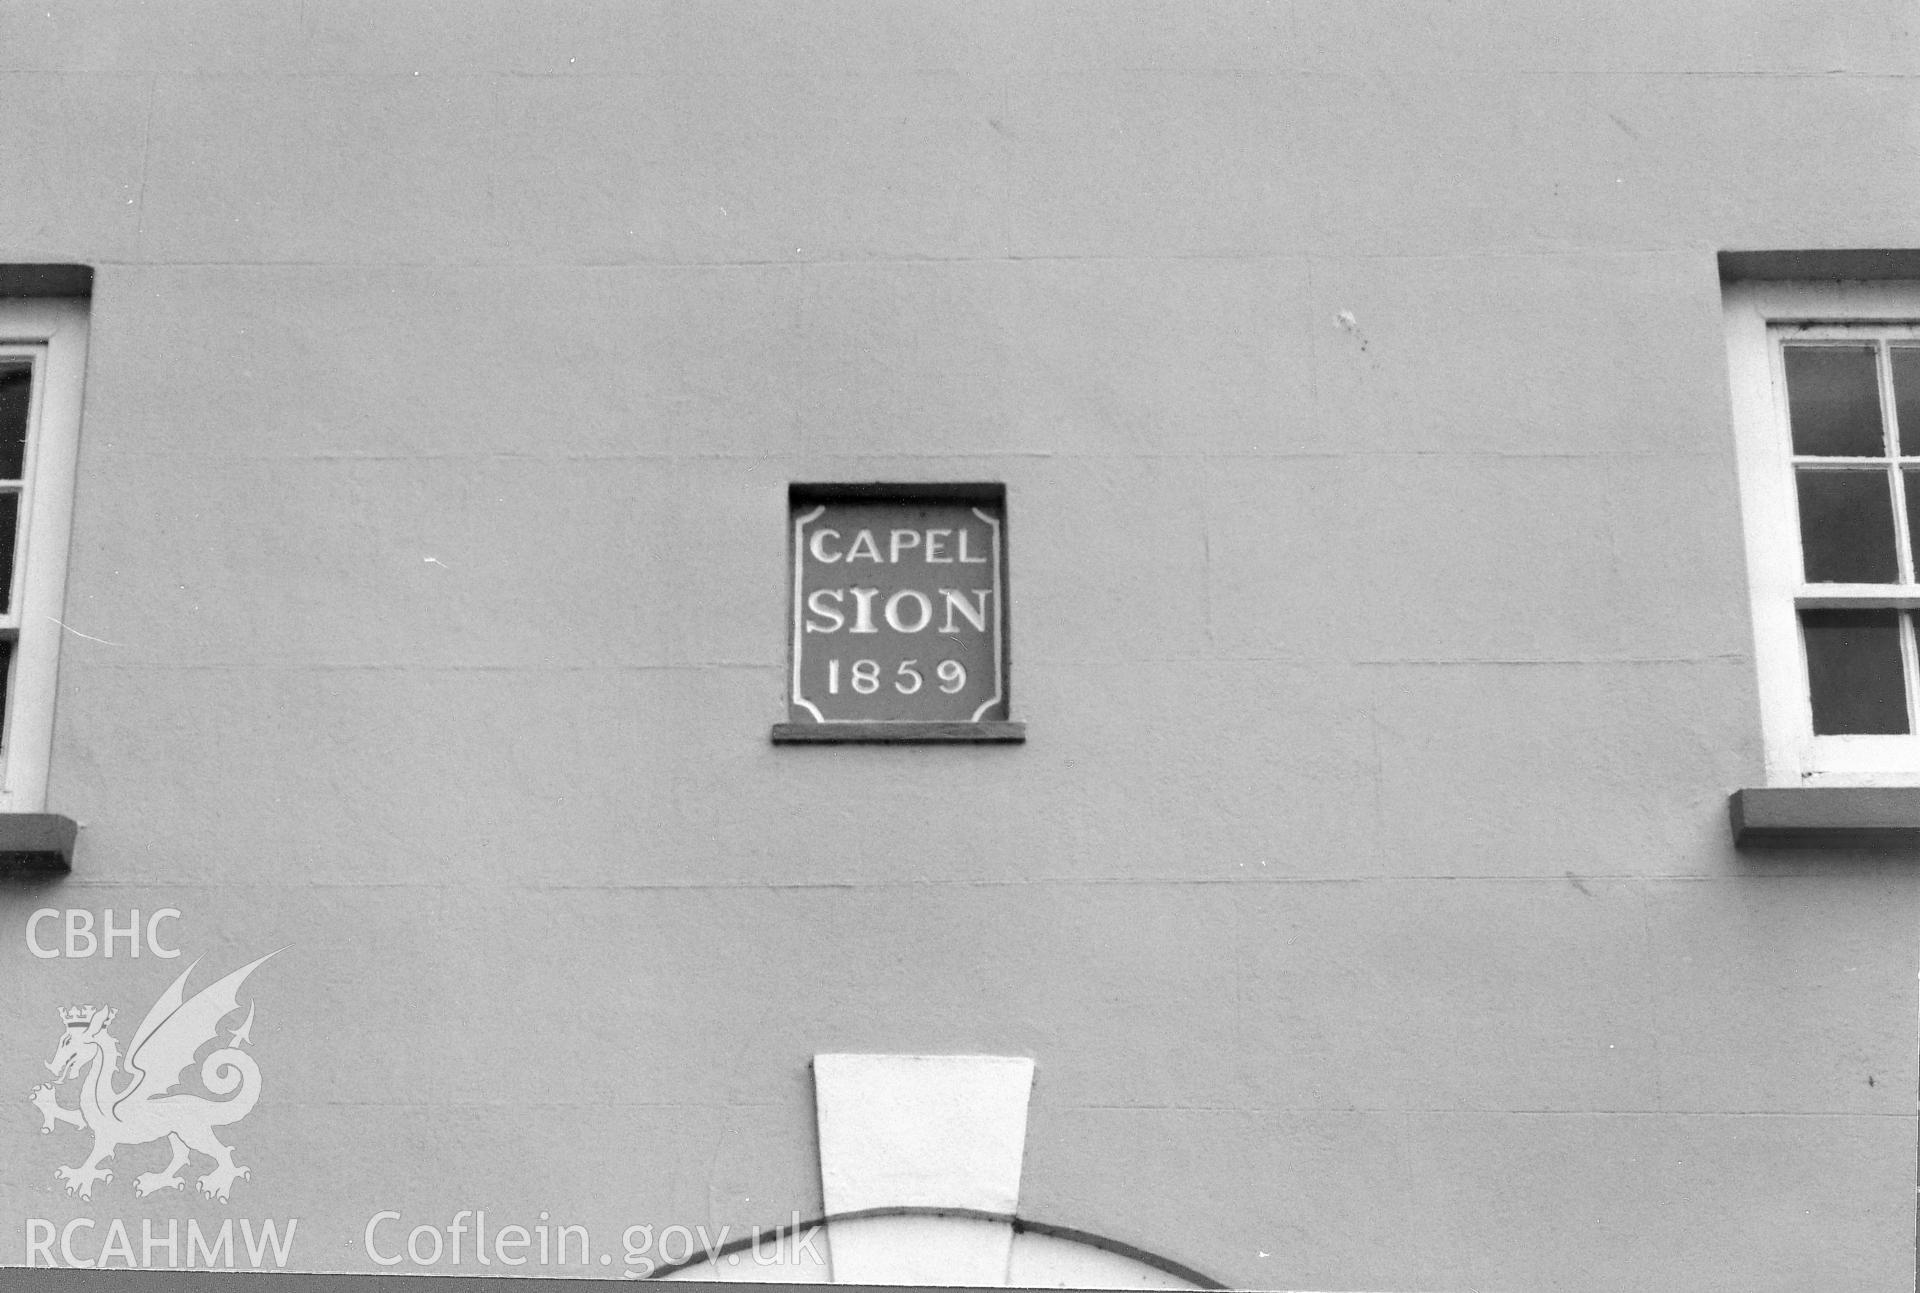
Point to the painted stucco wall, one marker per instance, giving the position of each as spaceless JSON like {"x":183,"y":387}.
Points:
{"x":1363,"y":892}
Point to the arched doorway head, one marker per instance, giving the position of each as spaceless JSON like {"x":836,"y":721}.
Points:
{"x":934,"y":1243}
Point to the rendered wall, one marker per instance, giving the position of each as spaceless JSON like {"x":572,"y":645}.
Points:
{"x":1363,"y":892}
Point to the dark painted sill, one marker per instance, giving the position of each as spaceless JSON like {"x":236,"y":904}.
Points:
{"x":1825,"y":815}
{"x":36,"y":842}
{"x":899,"y":733}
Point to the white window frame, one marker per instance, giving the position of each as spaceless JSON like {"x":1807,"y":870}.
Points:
{"x":1759,"y":317}
{"x":52,"y":332}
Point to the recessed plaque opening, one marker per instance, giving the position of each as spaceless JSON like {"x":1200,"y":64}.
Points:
{"x":899,"y":613}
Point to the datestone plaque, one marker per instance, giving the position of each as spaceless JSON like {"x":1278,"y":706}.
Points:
{"x":899,"y":611}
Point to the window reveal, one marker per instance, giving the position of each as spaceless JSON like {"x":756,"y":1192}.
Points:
{"x":42,"y":358}
{"x":1826,"y":390}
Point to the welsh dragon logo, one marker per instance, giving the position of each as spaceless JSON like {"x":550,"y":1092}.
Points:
{"x":145,"y":1106}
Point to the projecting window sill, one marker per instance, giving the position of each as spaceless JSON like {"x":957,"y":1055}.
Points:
{"x":36,"y":842}
{"x":899,"y":733}
{"x":1825,"y":815}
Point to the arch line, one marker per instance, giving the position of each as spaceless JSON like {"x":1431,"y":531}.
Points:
{"x":1019,"y":1224}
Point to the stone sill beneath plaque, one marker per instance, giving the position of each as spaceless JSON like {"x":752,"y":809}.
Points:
{"x":1825,"y":816}
{"x":901,"y":733}
{"x":36,"y":842}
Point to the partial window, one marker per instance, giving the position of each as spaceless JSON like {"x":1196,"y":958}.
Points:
{"x":42,"y":357}
{"x":1826,"y":388}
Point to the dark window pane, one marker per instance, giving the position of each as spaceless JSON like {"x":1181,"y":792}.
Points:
{"x":1906,"y":397}
{"x":9,"y":521}
{"x":16,"y":384}
{"x":1854,"y":673}
{"x":1846,"y":527}
{"x":1913,"y":515}
{"x":1833,"y":400}
{"x":6,"y":675}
